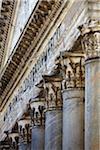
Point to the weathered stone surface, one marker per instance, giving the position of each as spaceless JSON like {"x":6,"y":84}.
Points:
{"x":91,"y":44}
{"x":38,"y":136}
{"x":38,"y":121}
{"x":63,"y":34}
{"x":50,"y":30}
{"x":24,"y":133}
{"x":53,"y":130}
{"x":73,"y":119}
{"x":92,"y":105}
{"x":24,"y":146}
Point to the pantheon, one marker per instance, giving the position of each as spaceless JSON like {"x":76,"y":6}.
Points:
{"x":49,"y":74}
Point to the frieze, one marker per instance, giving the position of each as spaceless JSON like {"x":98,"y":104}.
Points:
{"x":7,"y":8}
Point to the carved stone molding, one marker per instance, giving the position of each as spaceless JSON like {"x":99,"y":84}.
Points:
{"x":91,"y":38}
{"x":72,"y":68}
{"x":6,"y":15}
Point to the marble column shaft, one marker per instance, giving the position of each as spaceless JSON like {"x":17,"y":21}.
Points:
{"x":53,"y":130}
{"x":53,"y":114}
{"x":73,"y":122}
{"x":92,"y":106}
{"x":38,"y":136}
{"x":38,"y":128}
{"x":73,"y":101}
{"x":91,"y":45}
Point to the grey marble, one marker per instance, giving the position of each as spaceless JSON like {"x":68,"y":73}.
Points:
{"x":53,"y":130}
{"x":92,"y":105}
{"x":37,"y":138}
{"x":23,"y":146}
{"x":73,"y":122}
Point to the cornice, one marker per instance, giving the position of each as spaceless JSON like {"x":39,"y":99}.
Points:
{"x":7,"y":8}
{"x":36,"y":26}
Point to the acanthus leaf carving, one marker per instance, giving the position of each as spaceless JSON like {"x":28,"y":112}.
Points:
{"x":52,"y":87}
{"x":91,"y":44}
{"x":37,"y":109}
{"x":90,"y":32}
{"x":24,"y":125}
{"x":38,"y":116}
{"x":73,"y":70}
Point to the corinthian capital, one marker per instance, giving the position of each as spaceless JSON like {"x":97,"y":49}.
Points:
{"x":37,"y":111}
{"x":24,"y":125}
{"x":91,"y":38}
{"x":72,"y":69}
{"x":52,"y":87}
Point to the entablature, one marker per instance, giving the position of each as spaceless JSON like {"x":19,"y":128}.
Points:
{"x":32,"y":33}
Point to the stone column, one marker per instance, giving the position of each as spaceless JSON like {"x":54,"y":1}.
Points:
{"x":38,"y":129}
{"x":73,"y":101}
{"x":53,"y":114}
{"x":24,"y":132}
{"x":91,"y":45}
